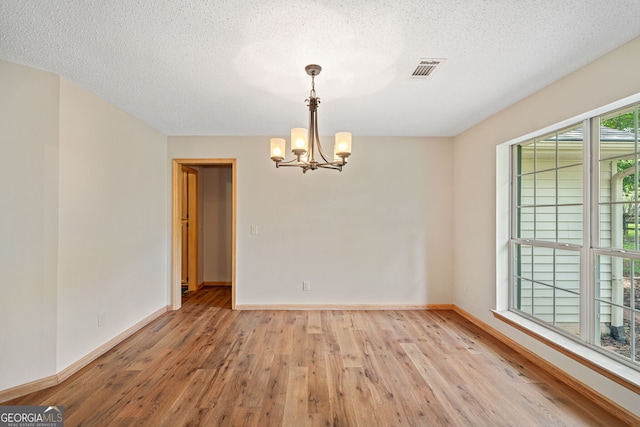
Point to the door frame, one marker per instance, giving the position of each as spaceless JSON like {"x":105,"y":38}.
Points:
{"x":176,"y":240}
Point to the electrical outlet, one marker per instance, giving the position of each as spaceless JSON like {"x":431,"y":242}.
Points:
{"x":100,"y":319}
{"x":306,"y":285}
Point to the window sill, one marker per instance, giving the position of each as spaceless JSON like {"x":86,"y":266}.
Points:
{"x":609,"y":368}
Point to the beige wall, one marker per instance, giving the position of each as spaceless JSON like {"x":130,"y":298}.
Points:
{"x":610,"y":78}
{"x":84,"y":223}
{"x":112,"y":222}
{"x":216,"y":223}
{"x":29,"y":147}
{"x":379,"y":232}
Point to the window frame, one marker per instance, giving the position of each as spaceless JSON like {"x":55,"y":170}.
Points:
{"x":556,"y":245}
{"x":505,"y":222}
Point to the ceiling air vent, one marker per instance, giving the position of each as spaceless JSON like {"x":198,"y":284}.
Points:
{"x":427,"y":67}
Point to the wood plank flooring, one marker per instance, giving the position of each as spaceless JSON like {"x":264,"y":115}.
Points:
{"x":206,"y":365}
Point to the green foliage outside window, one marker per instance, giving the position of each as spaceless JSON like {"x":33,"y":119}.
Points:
{"x":625,"y":122}
{"x":622,"y":122}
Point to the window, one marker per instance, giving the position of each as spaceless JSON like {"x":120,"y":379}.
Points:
{"x":575,"y":238}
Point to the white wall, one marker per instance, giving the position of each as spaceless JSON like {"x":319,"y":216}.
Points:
{"x":112,"y":222}
{"x":216,"y":223}
{"x":28,"y":223}
{"x":377,"y":233}
{"x":606,"y":80}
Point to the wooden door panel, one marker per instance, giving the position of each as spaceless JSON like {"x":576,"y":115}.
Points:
{"x":189,"y":230}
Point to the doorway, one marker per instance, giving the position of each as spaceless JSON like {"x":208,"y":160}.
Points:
{"x":178,"y":241}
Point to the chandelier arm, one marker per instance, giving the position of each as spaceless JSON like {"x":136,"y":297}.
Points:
{"x":330,"y":166}
{"x":288,"y":163}
{"x":320,"y":145}
{"x":312,"y":125}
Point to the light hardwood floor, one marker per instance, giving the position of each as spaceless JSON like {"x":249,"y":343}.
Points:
{"x":207,"y":365}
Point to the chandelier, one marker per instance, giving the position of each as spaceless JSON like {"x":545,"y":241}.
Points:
{"x":305,"y":144}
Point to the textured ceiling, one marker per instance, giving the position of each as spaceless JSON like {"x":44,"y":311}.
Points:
{"x":232,"y":67}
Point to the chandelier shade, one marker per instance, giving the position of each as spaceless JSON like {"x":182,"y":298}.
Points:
{"x":277,"y":149}
{"x":305,"y":143}
{"x":299,"y":141}
{"x":342,"y":147}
